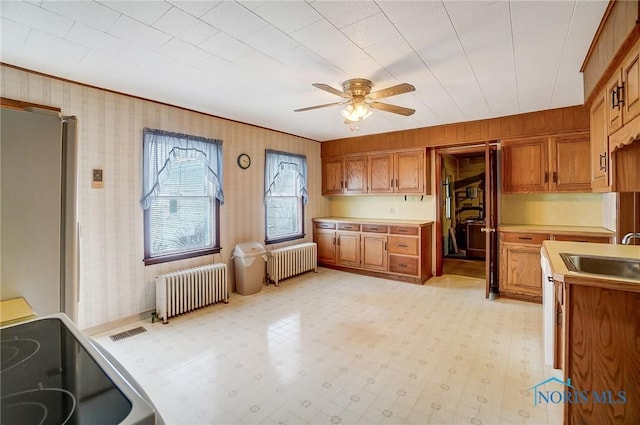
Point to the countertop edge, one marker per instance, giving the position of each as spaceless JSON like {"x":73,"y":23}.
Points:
{"x":372,"y":220}
{"x":554,"y":229}
{"x":552,"y":249}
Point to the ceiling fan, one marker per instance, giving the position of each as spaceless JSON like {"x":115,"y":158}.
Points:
{"x":361,"y":100}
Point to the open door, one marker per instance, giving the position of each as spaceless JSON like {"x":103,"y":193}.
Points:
{"x":491,"y":218}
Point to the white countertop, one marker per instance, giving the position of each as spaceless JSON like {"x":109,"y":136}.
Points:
{"x":373,"y":220}
{"x":552,"y":249}
{"x":566,"y":230}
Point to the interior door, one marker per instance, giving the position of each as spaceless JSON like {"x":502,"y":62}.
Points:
{"x":491,"y":218}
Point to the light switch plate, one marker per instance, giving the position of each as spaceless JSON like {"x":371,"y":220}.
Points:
{"x":96,"y":180}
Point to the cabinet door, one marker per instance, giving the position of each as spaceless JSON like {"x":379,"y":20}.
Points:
{"x":409,"y":172}
{"x":613,"y":105}
{"x":380,"y":173}
{"x":525,"y":165}
{"x":326,"y":241}
{"x":348,"y":249}
{"x":599,"y":146}
{"x":570,"y":155}
{"x":631,"y":79}
{"x":374,"y":251}
{"x":332,"y":180}
{"x":521,"y":270}
{"x":355,"y":174}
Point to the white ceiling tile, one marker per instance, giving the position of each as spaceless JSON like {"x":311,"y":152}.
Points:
{"x":50,"y":46}
{"x":89,"y":13}
{"x":142,"y":35}
{"x":343,"y":13}
{"x":140,"y":56}
{"x":146,"y":12}
{"x":184,"y":26}
{"x":95,"y":39}
{"x":308,"y":65}
{"x":371,"y":30}
{"x":288,"y":16}
{"x":12,"y":33}
{"x":196,"y":8}
{"x":319,"y":36}
{"x":216,"y":66}
{"x":182,"y":52}
{"x":226,"y":47}
{"x":271,"y":41}
{"x":401,"y":10}
{"x":234,"y":19}
{"x":36,"y":17}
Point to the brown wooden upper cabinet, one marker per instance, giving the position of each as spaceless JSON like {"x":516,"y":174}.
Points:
{"x":386,"y":172}
{"x":615,"y":107}
{"x":344,"y":175}
{"x":560,"y":163}
{"x":623,"y":92}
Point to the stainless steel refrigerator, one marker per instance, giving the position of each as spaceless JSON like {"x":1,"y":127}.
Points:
{"x":38,"y":210}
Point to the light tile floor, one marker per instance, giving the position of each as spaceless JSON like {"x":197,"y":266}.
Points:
{"x":339,"y":348}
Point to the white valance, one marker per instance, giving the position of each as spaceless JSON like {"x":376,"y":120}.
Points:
{"x":162,"y":148}
{"x":276,"y":161}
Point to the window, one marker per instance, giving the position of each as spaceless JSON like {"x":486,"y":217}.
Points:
{"x":285,"y":181}
{"x":182,"y":194}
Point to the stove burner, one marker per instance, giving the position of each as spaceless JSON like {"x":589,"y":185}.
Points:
{"x":39,"y":407}
{"x":14,"y":352}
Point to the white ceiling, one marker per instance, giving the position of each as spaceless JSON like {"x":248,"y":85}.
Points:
{"x":255,"y":61}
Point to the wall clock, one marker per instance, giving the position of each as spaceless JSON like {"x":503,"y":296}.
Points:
{"x":244,"y":161}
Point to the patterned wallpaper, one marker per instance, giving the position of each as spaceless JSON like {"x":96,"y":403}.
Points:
{"x":114,"y":283}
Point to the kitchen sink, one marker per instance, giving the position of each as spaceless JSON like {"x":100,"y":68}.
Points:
{"x":626,"y":268}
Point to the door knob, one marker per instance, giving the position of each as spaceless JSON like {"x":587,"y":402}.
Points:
{"x":487,"y":229}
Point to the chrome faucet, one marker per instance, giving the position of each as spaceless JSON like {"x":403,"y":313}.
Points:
{"x":626,"y":239}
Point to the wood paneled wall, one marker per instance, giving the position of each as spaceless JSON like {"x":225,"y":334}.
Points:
{"x":530,"y":124}
{"x":618,"y":30}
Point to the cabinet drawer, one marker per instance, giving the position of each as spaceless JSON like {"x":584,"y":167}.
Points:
{"x":579,"y":238}
{"x":402,"y":245}
{"x":375,"y":228}
{"x":404,"y":230}
{"x":405,"y":265}
{"x":524,"y":238}
{"x":349,"y":226}
{"x":325,"y":225}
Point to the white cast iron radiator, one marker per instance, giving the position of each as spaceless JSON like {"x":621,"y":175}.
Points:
{"x":292,"y":260}
{"x":186,"y":290}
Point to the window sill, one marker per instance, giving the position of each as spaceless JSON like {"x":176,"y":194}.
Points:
{"x":287,"y":239}
{"x":180,"y":256}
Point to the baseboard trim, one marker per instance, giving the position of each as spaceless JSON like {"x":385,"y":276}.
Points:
{"x":94,"y":330}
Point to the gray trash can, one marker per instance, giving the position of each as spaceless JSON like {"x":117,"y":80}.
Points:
{"x":250,"y":267}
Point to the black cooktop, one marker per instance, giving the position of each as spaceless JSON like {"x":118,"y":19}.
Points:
{"x":48,"y":377}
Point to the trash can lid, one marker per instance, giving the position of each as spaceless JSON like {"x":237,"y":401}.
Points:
{"x":249,"y":249}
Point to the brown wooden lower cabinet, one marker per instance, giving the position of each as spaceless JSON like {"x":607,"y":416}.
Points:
{"x":602,"y":353}
{"x":390,"y":249}
{"x":520,"y":271}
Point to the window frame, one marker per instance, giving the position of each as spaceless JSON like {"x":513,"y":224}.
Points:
{"x":290,"y":237}
{"x":181,"y":255}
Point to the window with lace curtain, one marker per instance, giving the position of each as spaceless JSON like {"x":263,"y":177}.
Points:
{"x":285,"y":196}
{"x":182,"y":194}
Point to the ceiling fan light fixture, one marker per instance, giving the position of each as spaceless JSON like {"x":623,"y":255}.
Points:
{"x":356,"y":111}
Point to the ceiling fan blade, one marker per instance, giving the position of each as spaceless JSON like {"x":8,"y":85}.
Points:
{"x":391,"y":91}
{"x":392,"y":108}
{"x":331,"y":90}
{"x":318,"y":106}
